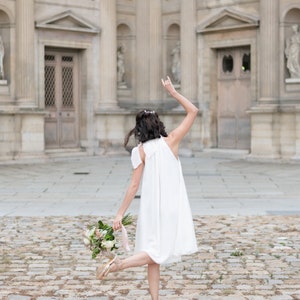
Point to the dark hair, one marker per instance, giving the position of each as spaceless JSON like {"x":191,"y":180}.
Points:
{"x":148,"y":126}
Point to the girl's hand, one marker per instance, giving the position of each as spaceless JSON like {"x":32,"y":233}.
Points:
{"x":117,"y":224}
{"x":168,"y":85}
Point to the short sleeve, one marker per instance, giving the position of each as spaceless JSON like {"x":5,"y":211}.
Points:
{"x":135,"y":157}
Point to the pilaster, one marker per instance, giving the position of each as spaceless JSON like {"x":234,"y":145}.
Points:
{"x":265,"y":117}
{"x":188,"y":43}
{"x":269,"y":47}
{"x":108,"y":53}
{"x":25,"y":78}
{"x":155,"y":65}
{"x":143,"y":50}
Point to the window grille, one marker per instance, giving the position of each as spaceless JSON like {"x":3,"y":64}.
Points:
{"x":49,"y":57}
{"x":49,"y":86}
{"x":67,"y":86}
{"x":59,"y":68}
{"x":67,"y":59}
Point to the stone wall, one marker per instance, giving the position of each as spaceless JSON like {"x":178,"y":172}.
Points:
{"x":156,"y":38}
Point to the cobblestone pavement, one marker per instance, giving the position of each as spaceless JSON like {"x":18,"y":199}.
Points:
{"x":240,"y":257}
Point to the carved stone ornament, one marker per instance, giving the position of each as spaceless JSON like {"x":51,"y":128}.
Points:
{"x":292,"y":52}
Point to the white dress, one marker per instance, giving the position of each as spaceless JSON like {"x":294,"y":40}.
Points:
{"x":165,"y":228}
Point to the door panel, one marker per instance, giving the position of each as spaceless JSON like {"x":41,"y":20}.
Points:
{"x":226,"y":126}
{"x":234,"y":98}
{"x":61,"y":99}
{"x":51,"y":132}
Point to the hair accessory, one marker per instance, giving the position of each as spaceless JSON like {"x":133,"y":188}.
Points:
{"x":149,"y":111}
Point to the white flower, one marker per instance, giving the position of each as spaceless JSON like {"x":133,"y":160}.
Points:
{"x":90,"y":232}
{"x":108,"y":244}
{"x":86,"y":241}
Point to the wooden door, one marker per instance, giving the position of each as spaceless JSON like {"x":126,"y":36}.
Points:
{"x":61,"y":99}
{"x":234,"y":99}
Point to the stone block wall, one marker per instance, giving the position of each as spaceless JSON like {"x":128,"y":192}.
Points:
{"x":275,"y":134}
{"x":9,"y":138}
{"x":21,"y":135}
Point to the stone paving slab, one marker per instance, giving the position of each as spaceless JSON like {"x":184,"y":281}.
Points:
{"x":240,"y":257}
{"x":96,"y":185}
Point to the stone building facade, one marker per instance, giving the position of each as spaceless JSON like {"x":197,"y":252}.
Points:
{"x":74,"y":73}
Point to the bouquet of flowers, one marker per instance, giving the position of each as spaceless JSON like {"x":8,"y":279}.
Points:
{"x":99,"y":238}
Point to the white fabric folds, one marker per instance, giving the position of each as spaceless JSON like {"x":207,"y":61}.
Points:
{"x":165,"y":228}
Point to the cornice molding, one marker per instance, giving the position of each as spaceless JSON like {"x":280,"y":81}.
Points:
{"x":228,"y":19}
{"x":67,"y":21}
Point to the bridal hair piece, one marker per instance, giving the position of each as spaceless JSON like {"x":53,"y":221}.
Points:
{"x":146,"y":111}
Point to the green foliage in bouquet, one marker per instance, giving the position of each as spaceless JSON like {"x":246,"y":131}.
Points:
{"x":100,"y":237}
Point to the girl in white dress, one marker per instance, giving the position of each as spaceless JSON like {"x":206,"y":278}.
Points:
{"x":165,"y":229}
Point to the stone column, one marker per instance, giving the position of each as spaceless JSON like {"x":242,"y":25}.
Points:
{"x":143,"y":51}
{"x":108,"y":55}
{"x":268,"y":49}
{"x":155,"y":41}
{"x":25,"y":77}
{"x":188,"y":41}
{"x":265,"y":119}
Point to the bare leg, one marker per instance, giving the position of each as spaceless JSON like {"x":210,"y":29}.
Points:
{"x":136,"y":260}
{"x":141,"y":259}
{"x":153,"y":279}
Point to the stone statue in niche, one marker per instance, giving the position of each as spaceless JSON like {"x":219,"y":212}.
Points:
{"x":1,"y":59}
{"x":176,"y":64}
{"x":121,"y":67}
{"x":292,"y":52}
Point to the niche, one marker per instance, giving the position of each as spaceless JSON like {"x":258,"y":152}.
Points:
{"x":174,"y":54}
{"x":124,"y":57}
{"x":292,"y":46}
{"x":5,"y":37}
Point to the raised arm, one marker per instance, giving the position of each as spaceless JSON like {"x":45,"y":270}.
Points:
{"x":177,"y":134}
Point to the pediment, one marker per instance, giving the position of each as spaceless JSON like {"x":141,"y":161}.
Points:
{"x":228,"y":19}
{"x":67,"y":21}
